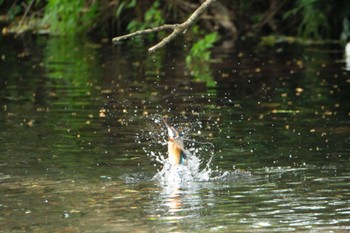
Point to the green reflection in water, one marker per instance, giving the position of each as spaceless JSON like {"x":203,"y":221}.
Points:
{"x":199,"y":58}
{"x":72,"y":60}
{"x":70,"y":102}
{"x":202,"y":73}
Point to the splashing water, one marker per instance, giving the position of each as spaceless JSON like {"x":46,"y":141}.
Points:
{"x":191,"y":170}
{"x":183,"y":173}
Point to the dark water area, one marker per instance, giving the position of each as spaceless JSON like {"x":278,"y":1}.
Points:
{"x":79,"y":137}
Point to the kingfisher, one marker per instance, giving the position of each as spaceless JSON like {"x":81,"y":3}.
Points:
{"x":176,"y":149}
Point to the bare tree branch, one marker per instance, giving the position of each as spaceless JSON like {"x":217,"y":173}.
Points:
{"x":146,"y":31}
{"x":176,"y":28}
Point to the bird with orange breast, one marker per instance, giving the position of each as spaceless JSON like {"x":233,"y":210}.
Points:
{"x":176,"y":149}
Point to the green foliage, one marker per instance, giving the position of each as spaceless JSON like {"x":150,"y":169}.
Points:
{"x":14,"y":10}
{"x":245,"y":6}
{"x":256,"y":18}
{"x":124,"y":5}
{"x":199,"y":56}
{"x":314,"y":23}
{"x":153,"y":18}
{"x":310,"y":19}
{"x":200,"y":50}
{"x":66,"y":17}
{"x":18,"y":7}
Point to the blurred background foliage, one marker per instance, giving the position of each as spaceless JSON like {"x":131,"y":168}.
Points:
{"x":66,"y":17}
{"x":268,"y":21}
{"x":311,"y":19}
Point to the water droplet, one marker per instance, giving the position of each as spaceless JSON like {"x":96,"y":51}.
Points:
{"x":66,"y":215}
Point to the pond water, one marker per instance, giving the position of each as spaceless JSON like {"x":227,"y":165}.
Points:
{"x":81,"y":138}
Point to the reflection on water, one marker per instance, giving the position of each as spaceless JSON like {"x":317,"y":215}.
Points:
{"x":81,"y":148}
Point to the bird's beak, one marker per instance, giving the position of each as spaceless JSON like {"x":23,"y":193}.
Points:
{"x":172,"y":133}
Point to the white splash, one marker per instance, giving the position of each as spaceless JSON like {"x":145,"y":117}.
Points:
{"x":347,"y":57}
{"x":188,"y":172}
{"x":197,"y":165}
{"x":347,"y":50}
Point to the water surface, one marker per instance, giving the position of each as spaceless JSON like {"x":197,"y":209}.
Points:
{"x":80,"y":141}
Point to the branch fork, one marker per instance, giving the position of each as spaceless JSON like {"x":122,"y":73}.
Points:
{"x":175,"y":28}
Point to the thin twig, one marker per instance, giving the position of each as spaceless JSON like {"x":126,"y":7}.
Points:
{"x":146,"y":31}
{"x":176,"y":28}
{"x":25,"y":13}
